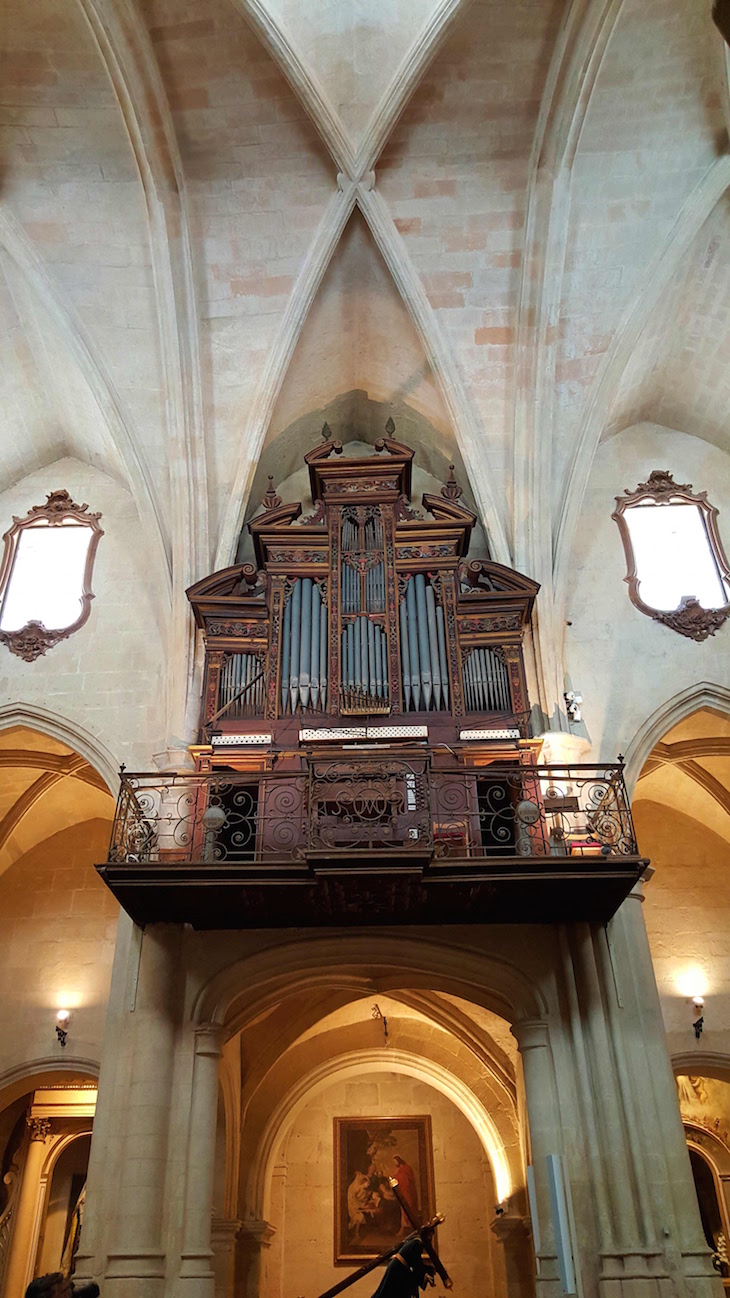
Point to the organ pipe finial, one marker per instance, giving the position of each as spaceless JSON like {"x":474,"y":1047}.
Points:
{"x":451,"y":490}
{"x":270,"y":499}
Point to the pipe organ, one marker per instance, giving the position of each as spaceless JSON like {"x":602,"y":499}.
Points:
{"x":364,"y":754}
{"x":368,"y":608}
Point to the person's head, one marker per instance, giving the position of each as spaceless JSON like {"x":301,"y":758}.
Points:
{"x":53,"y":1285}
{"x":398,"y":1160}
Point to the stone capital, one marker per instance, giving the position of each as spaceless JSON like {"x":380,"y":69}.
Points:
{"x":39,"y":1128}
{"x":259,"y":1232}
{"x":511,"y":1230}
{"x":530,"y":1034}
{"x":208,"y":1039}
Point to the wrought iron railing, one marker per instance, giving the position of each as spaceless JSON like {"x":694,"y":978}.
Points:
{"x":353,"y":806}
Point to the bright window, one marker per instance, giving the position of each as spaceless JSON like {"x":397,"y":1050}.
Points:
{"x":677,"y":572}
{"x":45,"y":581}
{"x":674,"y":557}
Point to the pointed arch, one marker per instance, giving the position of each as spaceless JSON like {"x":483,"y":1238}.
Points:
{"x":575,"y":64}
{"x":246,"y":987}
{"x":465,"y":421}
{"x":125,"y":48}
{"x":19,"y":248}
{"x":703,"y":695}
{"x":698,"y":207}
{"x":354,"y":160}
{"x":66,"y":732}
{"x":357,"y":1063}
{"x":277,"y":363}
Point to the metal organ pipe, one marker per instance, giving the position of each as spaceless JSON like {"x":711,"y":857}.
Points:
{"x":443,"y":660}
{"x":433,"y":645}
{"x":486,"y":682}
{"x":304,"y":649}
{"x":424,"y":652}
{"x":413,"y":644}
{"x":424,"y":661}
{"x":240,"y":693}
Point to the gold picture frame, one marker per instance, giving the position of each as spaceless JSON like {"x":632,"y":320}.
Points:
{"x":368,"y":1218}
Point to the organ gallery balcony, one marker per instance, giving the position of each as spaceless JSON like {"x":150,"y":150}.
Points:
{"x":343,"y":837}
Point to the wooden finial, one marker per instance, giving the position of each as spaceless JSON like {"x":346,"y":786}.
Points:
{"x":452,"y":490}
{"x":390,"y":426}
{"x":270,"y":499}
{"x":326,"y":432}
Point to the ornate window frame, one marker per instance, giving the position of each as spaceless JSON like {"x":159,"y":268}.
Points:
{"x":689,"y":618}
{"x":34,"y":639}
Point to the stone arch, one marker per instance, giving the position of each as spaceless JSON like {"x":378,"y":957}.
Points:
{"x":703,"y":1063}
{"x":248,"y":986}
{"x":48,"y":1070}
{"x":681,"y":705}
{"x":59,"y":727}
{"x":356,"y":1064}
{"x":709,"y":1146}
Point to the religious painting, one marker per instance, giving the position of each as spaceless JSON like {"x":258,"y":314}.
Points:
{"x":368,"y":1152}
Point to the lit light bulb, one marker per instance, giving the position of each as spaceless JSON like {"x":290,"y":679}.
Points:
{"x":62,"y":1018}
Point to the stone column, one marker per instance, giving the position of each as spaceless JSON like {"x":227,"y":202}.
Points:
{"x":19,"y":1266}
{"x":545,"y":1138}
{"x":661,"y":1154}
{"x":513,"y":1234}
{"x":254,"y":1236}
{"x":197,"y":1279}
{"x":136,"y":1263}
{"x":223,"y":1243}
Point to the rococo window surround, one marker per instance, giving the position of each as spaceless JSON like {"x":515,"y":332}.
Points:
{"x":689,"y":618}
{"x":34,"y":638}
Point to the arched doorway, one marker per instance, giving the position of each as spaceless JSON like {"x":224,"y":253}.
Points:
{"x":317,"y":1061}
{"x":45,"y":1135}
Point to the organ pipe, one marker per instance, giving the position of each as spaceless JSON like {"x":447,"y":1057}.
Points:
{"x":424,"y":663}
{"x":364,"y":658}
{"x":304,"y":649}
{"x":486,"y":682}
{"x":241,"y":689}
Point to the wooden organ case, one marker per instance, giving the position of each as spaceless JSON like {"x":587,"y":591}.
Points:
{"x":363,"y":614}
{"x":364,"y":754}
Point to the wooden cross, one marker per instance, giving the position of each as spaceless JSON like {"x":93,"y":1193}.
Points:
{"x":423,"y":1231}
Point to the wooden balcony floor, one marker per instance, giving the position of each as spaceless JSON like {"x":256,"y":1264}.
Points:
{"x":372,"y":889}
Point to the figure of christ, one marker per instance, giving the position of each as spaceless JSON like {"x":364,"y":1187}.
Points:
{"x":406,"y":1178}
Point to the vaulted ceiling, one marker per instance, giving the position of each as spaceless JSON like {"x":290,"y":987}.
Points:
{"x":216,"y":218}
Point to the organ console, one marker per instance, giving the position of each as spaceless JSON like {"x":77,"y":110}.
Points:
{"x":369,"y":608}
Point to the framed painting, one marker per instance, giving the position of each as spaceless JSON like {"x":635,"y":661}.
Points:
{"x":368,"y":1151}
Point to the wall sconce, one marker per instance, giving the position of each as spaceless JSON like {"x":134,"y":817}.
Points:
{"x":62,"y":1018}
{"x":573,"y":701}
{"x":377,"y":1013}
{"x":698,"y":1006}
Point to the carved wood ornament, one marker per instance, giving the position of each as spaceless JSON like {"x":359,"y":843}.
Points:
{"x":689,"y":618}
{"x":34,"y":639}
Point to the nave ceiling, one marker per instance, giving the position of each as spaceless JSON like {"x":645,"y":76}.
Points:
{"x":218,"y":219}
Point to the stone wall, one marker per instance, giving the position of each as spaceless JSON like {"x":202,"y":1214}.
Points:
{"x":463,"y":1183}
{"x":57,"y":932}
